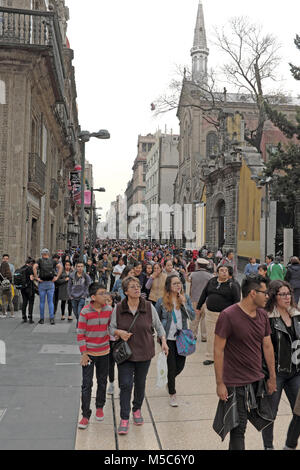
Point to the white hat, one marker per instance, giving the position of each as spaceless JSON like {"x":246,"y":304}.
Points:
{"x":202,"y":261}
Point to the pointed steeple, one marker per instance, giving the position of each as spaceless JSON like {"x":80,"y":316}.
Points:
{"x":200,"y":51}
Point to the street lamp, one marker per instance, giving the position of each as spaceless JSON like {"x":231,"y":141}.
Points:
{"x":100,"y":190}
{"x":260,"y":182}
{"x":83,"y":138}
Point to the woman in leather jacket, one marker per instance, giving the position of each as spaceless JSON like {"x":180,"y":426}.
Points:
{"x":285,"y":326}
{"x":174,"y":300}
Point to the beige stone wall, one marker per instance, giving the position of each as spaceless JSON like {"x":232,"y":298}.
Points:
{"x":28,"y":124}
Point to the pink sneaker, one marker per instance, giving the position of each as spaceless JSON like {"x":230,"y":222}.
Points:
{"x":124,"y":426}
{"x":137,"y":418}
{"x":83,"y":424}
{"x":99,"y":414}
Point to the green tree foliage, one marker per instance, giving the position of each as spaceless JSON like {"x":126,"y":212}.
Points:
{"x":284,"y":165}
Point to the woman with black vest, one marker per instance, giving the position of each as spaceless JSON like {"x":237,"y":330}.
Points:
{"x":141,"y":342}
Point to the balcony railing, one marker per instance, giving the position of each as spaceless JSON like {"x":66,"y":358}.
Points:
{"x":36,"y":175}
{"x":31,"y":29}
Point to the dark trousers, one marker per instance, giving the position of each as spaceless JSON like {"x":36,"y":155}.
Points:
{"x":237,"y":435}
{"x":63,"y":307}
{"x":101,"y":364}
{"x":176,"y":365}
{"x":55,"y":298}
{"x":290,"y":384}
{"x":111,"y":369}
{"x":293,"y":433}
{"x":28,"y":299}
{"x":132,"y":373}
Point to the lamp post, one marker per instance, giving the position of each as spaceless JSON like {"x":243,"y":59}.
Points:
{"x":100,"y":190}
{"x":85,"y":137}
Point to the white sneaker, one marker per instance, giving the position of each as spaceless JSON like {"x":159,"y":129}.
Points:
{"x":173,"y":401}
{"x":111,"y":389}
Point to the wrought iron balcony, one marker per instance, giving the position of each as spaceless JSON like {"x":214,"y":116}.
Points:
{"x":35,"y":30}
{"x":54,"y":193}
{"x":36,"y":175}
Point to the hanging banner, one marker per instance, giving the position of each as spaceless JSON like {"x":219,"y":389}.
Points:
{"x":87,"y":198}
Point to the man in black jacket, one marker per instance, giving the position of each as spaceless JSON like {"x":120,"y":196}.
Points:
{"x":28,"y":291}
{"x":219,"y":293}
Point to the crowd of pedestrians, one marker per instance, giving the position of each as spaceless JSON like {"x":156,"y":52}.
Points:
{"x":124,"y":293}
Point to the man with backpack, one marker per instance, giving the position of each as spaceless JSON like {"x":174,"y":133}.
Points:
{"x":45,"y":273}
{"x":23,"y":281}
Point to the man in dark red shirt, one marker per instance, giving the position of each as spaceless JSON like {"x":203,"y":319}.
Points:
{"x":242,"y":332}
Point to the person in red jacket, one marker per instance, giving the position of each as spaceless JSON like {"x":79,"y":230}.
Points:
{"x":93,"y":340}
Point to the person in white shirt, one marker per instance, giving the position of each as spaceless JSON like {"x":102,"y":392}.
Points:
{"x":119,"y":268}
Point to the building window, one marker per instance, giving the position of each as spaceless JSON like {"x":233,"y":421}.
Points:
{"x":212,"y":146}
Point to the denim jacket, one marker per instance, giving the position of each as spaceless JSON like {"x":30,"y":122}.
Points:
{"x":187,"y":312}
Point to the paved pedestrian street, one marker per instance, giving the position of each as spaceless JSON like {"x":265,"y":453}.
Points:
{"x":40,"y":399}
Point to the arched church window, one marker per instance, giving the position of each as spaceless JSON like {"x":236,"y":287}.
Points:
{"x":212,"y":146}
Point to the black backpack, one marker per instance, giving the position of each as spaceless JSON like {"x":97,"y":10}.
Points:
{"x":20,"y":278}
{"x":46,"y":269}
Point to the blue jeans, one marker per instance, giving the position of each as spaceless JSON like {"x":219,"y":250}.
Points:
{"x":46,"y":288}
{"x":77,"y":305}
{"x":132,"y":373}
{"x":290,"y":384}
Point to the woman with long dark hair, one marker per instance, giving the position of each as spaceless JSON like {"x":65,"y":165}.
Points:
{"x":285,"y":325}
{"x":174,"y":303}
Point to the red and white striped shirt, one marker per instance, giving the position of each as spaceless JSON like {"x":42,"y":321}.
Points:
{"x":92,"y":331}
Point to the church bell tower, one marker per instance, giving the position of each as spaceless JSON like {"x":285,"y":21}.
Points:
{"x":200,"y":51}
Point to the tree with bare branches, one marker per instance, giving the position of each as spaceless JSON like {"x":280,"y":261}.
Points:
{"x":252,"y":59}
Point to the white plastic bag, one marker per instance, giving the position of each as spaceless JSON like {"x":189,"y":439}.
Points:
{"x":162,"y":370}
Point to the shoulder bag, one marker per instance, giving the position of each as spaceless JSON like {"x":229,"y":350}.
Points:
{"x":121,"y":350}
{"x":185,"y":341}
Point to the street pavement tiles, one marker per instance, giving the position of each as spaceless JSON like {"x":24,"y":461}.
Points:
{"x":60,"y":349}
{"x":55,"y":329}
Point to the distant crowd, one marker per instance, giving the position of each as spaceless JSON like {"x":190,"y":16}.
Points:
{"x":122,"y":292}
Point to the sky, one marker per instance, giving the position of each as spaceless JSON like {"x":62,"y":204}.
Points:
{"x":126,"y":54}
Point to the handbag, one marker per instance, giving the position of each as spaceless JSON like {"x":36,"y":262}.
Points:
{"x":185,"y":341}
{"x":5,"y":285}
{"x":121,"y":350}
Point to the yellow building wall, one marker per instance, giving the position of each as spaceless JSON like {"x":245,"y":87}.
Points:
{"x":249,"y":215}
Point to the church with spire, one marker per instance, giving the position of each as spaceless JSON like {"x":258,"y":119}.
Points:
{"x":218,"y":169}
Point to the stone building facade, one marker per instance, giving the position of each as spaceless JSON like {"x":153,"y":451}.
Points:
{"x":210,"y":167}
{"x":38,"y":128}
{"x":136,"y":188}
{"x":161,"y":171}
